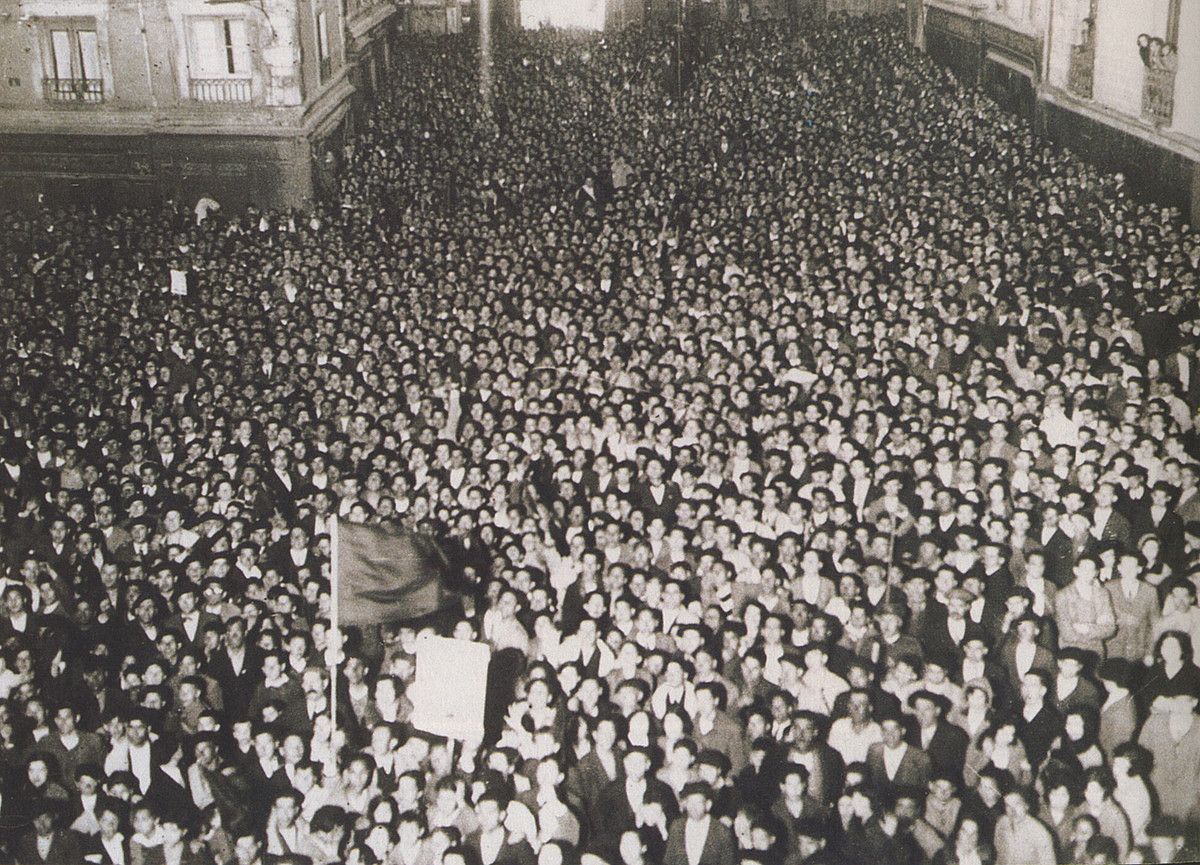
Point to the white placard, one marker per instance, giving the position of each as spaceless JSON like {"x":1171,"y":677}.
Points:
{"x":179,"y":284}
{"x":450,"y":688}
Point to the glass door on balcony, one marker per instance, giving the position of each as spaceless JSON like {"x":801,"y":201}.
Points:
{"x":75,"y":60}
{"x":60,"y":41}
{"x":220,"y":60}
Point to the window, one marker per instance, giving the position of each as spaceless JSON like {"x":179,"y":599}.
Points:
{"x":73,"y":64}
{"x":323,"y":45}
{"x":219,"y":56}
{"x":220,"y":48}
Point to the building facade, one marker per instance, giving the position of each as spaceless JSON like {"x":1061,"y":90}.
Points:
{"x":1117,"y":81}
{"x":374,"y":39}
{"x":133,"y":101}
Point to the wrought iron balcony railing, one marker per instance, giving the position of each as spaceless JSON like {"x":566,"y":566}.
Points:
{"x":1082,"y":70}
{"x":73,"y":89}
{"x":1158,"y":96}
{"x":220,"y":89}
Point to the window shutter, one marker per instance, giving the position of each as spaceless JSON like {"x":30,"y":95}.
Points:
{"x":89,"y":55}
{"x":60,"y":44}
{"x":238,"y":46}
{"x":209,"y":60}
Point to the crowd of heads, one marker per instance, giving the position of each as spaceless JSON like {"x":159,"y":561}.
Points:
{"x":820,"y":446}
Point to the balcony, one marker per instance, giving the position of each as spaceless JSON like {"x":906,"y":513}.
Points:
{"x":220,"y":89}
{"x":1082,"y":70}
{"x":1158,"y":96}
{"x":73,"y":89}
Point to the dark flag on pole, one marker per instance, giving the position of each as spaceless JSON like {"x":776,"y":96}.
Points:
{"x":386,"y":574}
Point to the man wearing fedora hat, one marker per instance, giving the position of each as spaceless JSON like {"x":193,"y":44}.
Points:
{"x":950,"y":634}
{"x":47,"y":842}
{"x":945,"y":743}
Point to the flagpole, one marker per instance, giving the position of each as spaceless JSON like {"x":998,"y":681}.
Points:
{"x":335,"y":634}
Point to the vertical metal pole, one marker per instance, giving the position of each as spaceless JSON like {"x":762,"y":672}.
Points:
{"x":679,"y":15}
{"x":335,"y":635}
{"x":485,"y":56}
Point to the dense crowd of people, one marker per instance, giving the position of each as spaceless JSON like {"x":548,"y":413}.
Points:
{"x":822,"y":444}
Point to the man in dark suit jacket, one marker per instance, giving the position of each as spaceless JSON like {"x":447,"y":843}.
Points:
{"x":1057,"y":546}
{"x":1038,"y":722}
{"x":794,"y":807}
{"x":492,"y":836}
{"x":95,"y":696}
{"x":190,"y":618}
{"x":55,"y":547}
{"x":945,"y":743}
{"x":283,"y":484}
{"x":655,"y":496}
{"x":1108,"y":523}
{"x":20,"y":473}
{"x":1167,"y":525}
{"x":622,"y":800}
{"x":264,"y":772}
{"x":893,"y":763}
{"x":718,"y":847}
{"x":236,"y":666}
{"x":826,"y":768}
{"x":17,"y":619}
{"x":1025,"y":649}
{"x":588,"y":778}
{"x":468,"y":551}
{"x":47,"y":843}
{"x":948,"y":635}
{"x":289,"y":556}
